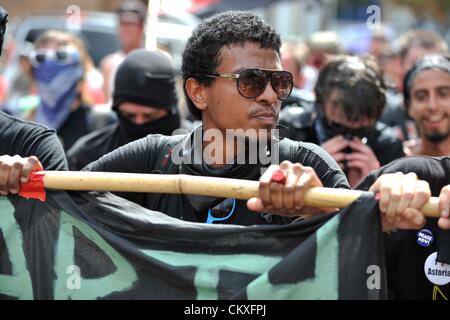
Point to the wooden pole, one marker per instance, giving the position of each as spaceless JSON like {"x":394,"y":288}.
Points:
{"x":205,"y":186}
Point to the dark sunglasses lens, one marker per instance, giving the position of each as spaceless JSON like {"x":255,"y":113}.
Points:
{"x":338,"y":129}
{"x":40,"y":58}
{"x":282,"y":84}
{"x":62,"y":56}
{"x":362,"y":132}
{"x":251,"y":82}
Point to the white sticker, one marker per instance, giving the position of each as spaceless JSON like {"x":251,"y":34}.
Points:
{"x":438,"y":273}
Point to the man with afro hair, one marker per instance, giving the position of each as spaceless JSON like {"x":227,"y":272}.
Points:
{"x":234,"y":82}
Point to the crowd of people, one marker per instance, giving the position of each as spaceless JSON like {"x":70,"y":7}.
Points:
{"x":335,"y":120}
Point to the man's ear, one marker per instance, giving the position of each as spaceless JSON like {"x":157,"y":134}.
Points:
{"x":197,"y":93}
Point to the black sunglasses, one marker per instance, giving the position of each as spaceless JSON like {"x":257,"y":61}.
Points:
{"x":349,"y":133}
{"x":252,"y":82}
{"x":62,"y":56}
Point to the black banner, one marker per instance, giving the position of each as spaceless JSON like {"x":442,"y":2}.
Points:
{"x":99,"y":246}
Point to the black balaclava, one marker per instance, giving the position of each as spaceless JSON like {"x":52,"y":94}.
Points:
{"x":3,"y":21}
{"x":146,"y":78}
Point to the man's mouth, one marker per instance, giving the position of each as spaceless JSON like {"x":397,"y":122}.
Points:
{"x":266,"y":117}
{"x":435,"y":121}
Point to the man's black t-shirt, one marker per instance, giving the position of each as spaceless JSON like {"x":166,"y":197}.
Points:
{"x":153,"y":154}
{"x":405,"y":256}
{"x":18,"y":137}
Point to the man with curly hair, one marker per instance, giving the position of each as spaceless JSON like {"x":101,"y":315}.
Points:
{"x":233,"y":81}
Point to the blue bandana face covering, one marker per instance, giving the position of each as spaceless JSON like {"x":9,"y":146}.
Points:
{"x":57,"y":87}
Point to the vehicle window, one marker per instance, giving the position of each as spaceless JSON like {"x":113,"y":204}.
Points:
{"x":100,"y":44}
{"x":97,"y":43}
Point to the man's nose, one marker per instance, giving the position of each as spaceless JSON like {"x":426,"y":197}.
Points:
{"x":433,"y":103}
{"x":140,"y":119}
{"x":268,"y":96}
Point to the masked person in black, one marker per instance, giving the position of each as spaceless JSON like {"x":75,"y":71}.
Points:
{"x":145,"y":100}
{"x":350,"y":97}
{"x":234,"y":82}
{"x":19,"y":138}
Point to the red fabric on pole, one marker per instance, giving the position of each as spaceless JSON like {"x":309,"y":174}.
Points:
{"x":34,"y":188}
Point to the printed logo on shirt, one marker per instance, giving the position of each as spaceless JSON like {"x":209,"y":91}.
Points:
{"x":424,"y":238}
{"x":436,"y":272}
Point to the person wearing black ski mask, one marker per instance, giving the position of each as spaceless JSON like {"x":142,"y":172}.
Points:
{"x":145,"y":101}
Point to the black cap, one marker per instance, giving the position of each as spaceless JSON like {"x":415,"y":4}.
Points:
{"x":3,"y":21}
{"x":146,"y":78}
{"x":132,"y":11}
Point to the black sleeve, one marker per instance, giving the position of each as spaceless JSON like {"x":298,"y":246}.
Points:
{"x":48,"y":149}
{"x":389,"y":152}
{"x":387,"y":146}
{"x":78,"y":155}
{"x":136,"y":157}
{"x":328,"y":171}
{"x":434,"y":170}
{"x":89,"y":148}
{"x":18,"y":137}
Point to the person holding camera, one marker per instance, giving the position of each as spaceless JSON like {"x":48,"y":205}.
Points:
{"x":350,"y":98}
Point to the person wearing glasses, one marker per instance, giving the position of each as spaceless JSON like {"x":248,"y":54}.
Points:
{"x":145,"y":101}
{"x":244,"y":90}
{"x":240,"y":53}
{"x":350,"y":98}
{"x":60,"y":64}
{"x":234,"y":82}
